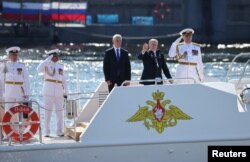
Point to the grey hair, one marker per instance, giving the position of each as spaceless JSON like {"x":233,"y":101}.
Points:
{"x":153,"y":40}
{"x":117,"y":36}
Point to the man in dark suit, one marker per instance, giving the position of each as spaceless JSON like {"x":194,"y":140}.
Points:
{"x":116,"y":64}
{"x":153,"y":62}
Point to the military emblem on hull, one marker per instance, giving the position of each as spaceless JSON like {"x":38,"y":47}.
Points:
{"x":161,"y":114}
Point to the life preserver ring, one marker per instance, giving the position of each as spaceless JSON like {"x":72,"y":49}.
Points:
{"x":33,"y":122}
{"x":162,"y":10}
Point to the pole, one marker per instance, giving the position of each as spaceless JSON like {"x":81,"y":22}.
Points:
{"x":78,"y":102}
{"x":78,"y":88}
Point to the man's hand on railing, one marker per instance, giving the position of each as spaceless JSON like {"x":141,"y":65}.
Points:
{"x":171,"y":81}
{"x":126,"y":84}
{"x":109,"y":82}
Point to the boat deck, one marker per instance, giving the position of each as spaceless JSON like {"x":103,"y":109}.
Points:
{"x":54,"y":139}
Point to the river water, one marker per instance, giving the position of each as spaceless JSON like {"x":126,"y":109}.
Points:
{"x":90,"y":73}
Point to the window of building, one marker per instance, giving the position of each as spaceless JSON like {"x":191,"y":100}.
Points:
{"x":89,"y":20}
{"x":107,"y":18}
{"x":142,"y":20}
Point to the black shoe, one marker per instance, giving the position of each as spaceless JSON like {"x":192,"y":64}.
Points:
{"x":47,"y":136}
{"x":5,"y":139}
{"x":61,"y":135}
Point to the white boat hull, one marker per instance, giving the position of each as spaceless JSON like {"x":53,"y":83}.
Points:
{"x":160,"y":152}
{"x":216,"y":118}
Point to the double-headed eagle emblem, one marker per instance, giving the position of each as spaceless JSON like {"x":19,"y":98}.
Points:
{"x":159,"y":116}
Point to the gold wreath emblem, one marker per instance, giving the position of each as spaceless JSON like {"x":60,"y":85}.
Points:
{"x":159,"y":117}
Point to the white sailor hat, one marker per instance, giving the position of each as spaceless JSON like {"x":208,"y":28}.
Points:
{"x":186,"y":31}
{"x":13,"y":50}
{"x":54,"y":51}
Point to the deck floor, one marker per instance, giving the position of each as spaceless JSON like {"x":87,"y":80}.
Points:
{"x":54,"y":139}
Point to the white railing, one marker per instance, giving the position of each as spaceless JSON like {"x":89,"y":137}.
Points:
{"x":242,"y":72}
{"x":157,"y":81}
{"x":72,"y":107}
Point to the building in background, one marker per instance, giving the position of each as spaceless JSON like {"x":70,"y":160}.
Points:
{"x":97,"y":20}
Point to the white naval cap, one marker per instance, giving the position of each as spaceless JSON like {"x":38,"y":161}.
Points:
{"x":54,"y":51}
{"x":14,"y":49}
{"x":187,"y":30}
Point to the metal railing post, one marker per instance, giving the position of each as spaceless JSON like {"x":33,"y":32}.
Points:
{"x":231,"y":65}
{"x":242,"y":72}
{"x":1,"y":133}
{"x":156,"y":80}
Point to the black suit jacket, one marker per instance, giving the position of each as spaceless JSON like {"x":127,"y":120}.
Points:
{"x":151,"y":70}
{"x":115,"y":70}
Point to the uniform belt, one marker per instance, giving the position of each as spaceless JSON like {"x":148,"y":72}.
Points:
{"x":188,"y":63}
{"x":14,"y":83}
{"x":53,"y":81}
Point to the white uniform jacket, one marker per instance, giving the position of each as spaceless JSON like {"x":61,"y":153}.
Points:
{"x":54,"y":78}
{"x":190,"y":60}
{"x":14,"y":80}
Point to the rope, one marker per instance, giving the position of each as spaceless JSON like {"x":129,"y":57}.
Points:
{"x":124,"y":37}
{"x":87,"y":98}
{"x":64,"y":105}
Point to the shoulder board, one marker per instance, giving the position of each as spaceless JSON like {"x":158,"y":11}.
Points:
{"x":179,"y":44}
{"x":196,"y":44}
{"x":21,"y":64}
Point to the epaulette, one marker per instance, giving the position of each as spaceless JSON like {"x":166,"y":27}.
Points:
{"x":196,"y":44}
{"x":23,"y":64}
{"x":178,"y":44}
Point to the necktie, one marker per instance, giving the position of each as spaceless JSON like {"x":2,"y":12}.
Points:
{"x":156,"y":61}
{"x":117,"y":54}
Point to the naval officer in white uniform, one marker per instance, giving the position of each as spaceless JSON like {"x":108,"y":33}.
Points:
{"x":189,"y":58}
{"x":54,"y":90}
{"x":14,"y":79}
